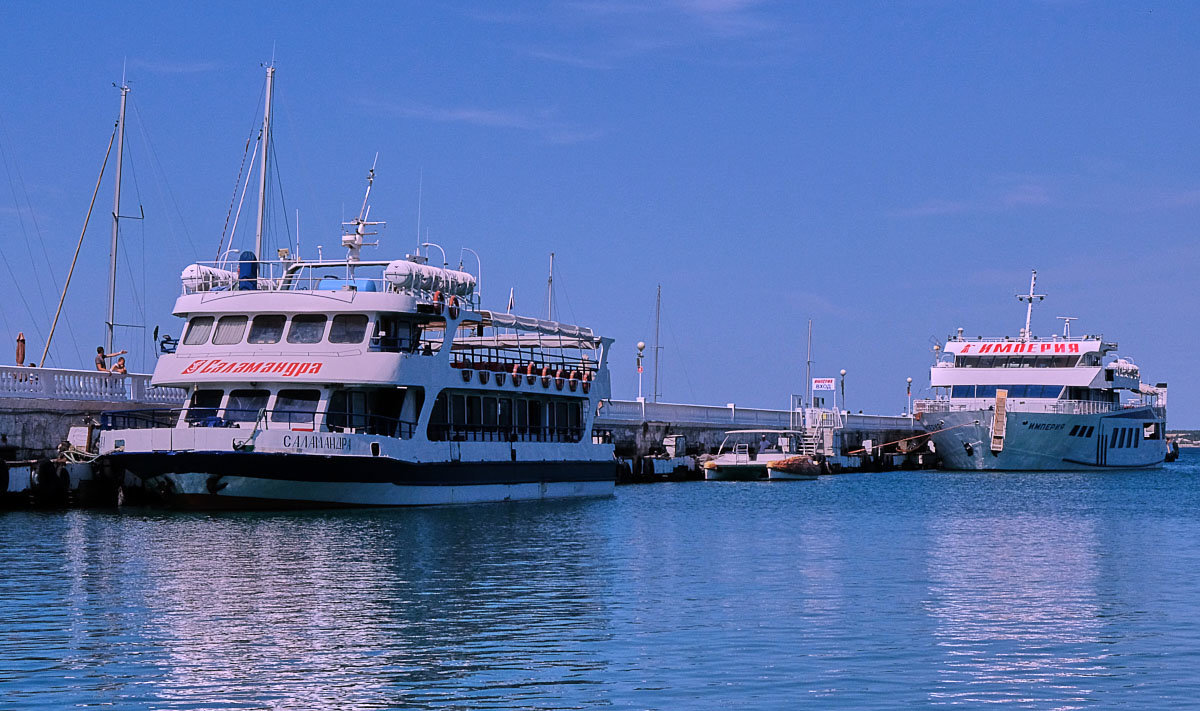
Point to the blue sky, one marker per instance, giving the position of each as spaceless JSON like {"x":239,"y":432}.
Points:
{"x":890,"y":170}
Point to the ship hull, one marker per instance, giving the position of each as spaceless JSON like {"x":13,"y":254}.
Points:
{"x":1036,"y":441}
{"x":254,"y":480}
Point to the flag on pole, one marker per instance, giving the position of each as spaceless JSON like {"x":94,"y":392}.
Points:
{"x":511,"y":303}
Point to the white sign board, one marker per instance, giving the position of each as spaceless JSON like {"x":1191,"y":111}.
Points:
{"x":824,"y":384}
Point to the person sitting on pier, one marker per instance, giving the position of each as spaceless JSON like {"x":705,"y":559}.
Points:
{"x":101,"y":357}
{"x":119,"y":368}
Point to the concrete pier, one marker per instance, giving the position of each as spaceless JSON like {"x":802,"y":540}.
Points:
{"x":638,"y":428}
{"x":38,"y":406}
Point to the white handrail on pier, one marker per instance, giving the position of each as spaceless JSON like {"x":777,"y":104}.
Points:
{"x":734,"y":417}
{"x":67,"y":384}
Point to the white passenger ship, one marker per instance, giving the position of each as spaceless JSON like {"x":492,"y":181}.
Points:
{"x":1046,"y":404}
{"x":365,"y":383}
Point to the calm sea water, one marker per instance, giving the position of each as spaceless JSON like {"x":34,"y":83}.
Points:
{"x":1051,"y":591}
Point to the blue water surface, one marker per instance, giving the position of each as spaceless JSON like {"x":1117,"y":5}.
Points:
{"x":907,"y":589}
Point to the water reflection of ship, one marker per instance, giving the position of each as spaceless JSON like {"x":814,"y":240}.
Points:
{"x":1013,"y":606}
{"x":439,"y":608}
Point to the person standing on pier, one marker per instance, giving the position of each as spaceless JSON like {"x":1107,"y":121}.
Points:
{"x":101,"y":357}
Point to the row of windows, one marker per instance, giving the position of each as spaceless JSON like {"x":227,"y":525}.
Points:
{"x":1007,"y":361}
{"x":269,"y":328}
{"x":1014,"y":391}
{"x":455,"y":416}
{"x":1084,"y":431}
{"x":462,"y":416}
{"x":1125,"y":437}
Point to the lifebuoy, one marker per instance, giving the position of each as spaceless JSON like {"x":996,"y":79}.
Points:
{"x":586,"y":386}
{"x":437,"y":302}
{"x":453,"y":307}
{"x":573,"y":383}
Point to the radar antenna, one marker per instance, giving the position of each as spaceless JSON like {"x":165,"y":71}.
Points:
{"x":1067,"y":324}
{"x":1029,"y":299}
{"x":354,"y":231}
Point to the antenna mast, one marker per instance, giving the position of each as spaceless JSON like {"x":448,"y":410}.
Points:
{"x":112,"y":251}
{"x":262,"y":174}
{"x":1067,"y":324}
{"x":550,"y":291}
{"x":1029,"y":299}
{"x":352,"y":239}
{"x":657,"y":348}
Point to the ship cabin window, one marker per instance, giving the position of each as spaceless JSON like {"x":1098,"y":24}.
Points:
{"x":467,"y":417}
{"x":1016,"y":361}
{"x":1151,"y":430}
{"x":348,"y":328}
{"x":198,"y":331}
{"x":296,"y":407}
{"x":244,"y":405}
{"x":267,"y":328}
{"x":376,"y":411}
{"x":394,"y":333}
{"x":203,"y":405}
{"x":229,"y":330}
{"x":306,"y":328}
{"x":1014,"y":391}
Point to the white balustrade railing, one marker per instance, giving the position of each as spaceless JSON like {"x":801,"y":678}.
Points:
{"x":733,"y":417}
{"x":66,"y":384}
{"x":1064,"y":407}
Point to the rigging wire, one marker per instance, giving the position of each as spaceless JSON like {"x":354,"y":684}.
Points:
{"x":25,"y":237}
{"x":281,"y":108}
{"x":138,"y":302}
{"x":238,"y":183}
{"x":161,"y":183}
{"x":279,"y":182}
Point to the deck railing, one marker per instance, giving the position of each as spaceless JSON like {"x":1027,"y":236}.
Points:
{"x":1062,"y":407}
{"x":67,"y":384}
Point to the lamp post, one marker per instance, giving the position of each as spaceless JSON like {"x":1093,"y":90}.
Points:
{"x":641,"y":347}
{"x":478,"y":271}
{"x":908,"y":396}
{"x":432,"y":244}
{"x":844,"y":391}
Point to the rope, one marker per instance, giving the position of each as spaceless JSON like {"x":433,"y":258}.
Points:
{"x":923,"y":434}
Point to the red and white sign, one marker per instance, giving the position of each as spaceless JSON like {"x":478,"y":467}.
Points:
{"x":286,"y":368}
{"x":824,"y":384}
{"x":1021,"y":347}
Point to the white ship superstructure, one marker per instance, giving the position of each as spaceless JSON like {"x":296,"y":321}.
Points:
{"x":368,"y":383}
{"x":1030,"y":403}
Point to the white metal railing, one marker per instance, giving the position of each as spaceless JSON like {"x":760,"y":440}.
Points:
{"x":1064,"y":407}
{"x":733,"y":417}
{"x":67,"y":384}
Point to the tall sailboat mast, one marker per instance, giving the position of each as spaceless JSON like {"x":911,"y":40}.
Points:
{"x":657,"y":348}
{"x":262,"y":173}
{"x":550,"y":291}
{"x":116,"y":215}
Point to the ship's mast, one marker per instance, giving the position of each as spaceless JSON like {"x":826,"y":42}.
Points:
{"x":1029,"y":299}
{"x":116,"y":214}
{"x":262,"y":173}
{"x":657,"y":348}
{"x":808,"y":365}
{"x":550,"y":291}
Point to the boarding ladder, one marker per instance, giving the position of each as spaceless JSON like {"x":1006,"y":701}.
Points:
{"x":999,"y":421}
{"x":741,"y":454}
